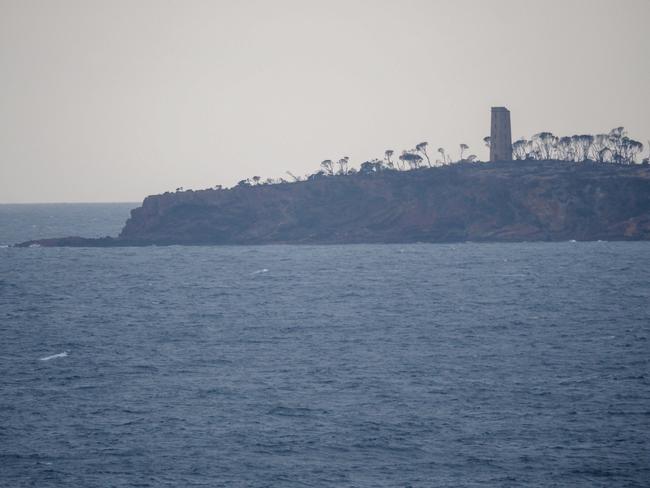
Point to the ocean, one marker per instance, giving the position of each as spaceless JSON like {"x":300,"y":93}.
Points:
{"x":474,"y":365}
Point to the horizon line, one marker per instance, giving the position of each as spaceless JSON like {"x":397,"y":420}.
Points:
{"x":68,"y":203}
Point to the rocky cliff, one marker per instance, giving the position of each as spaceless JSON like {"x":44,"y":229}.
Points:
{"x":514,"y":201}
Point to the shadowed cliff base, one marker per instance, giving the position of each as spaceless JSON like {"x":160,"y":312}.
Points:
{"x":495,"y":202}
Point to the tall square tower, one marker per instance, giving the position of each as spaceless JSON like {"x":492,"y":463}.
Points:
{"x":500,"y":137}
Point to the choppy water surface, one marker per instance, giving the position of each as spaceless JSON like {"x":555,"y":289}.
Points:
{"x":420,"y":365}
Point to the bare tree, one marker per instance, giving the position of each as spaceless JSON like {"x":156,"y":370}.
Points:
{"x":564,"y":149}
{"x":519,"y":149}
{"x":463,"y":148}
{"x":444,"y":155}
{"x":387,"y":155}
{"x":544,"y":144}
{"x":412,"y":158}
{"x":422,"y":148}
{"x":606,"y":155}
{"x":584,"y":142}
{"x":328,"y":167}
{"x":615,"y":143}
{"x":613,"y":147}
{"x":597,"y":148}
{"x":343,"y":165}
{"x":629,"y":150}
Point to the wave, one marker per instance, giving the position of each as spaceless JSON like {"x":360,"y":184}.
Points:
{"x":54,"y":356}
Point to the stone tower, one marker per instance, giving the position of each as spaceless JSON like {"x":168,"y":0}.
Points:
{"x":500,"y":138}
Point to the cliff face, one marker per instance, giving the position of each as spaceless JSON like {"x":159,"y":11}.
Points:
{"x":514,"y":201}
{"x":481,"y":202}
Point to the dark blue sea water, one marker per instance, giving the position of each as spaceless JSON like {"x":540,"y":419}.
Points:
{"x":496,"y":365}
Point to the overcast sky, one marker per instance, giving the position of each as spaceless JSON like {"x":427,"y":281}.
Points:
{"x":114,"y":100}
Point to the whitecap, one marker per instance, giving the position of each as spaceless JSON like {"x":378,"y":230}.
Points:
{"x":264,"y":270}
{"x":54,"y":356}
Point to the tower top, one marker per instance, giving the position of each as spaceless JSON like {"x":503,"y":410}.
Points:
{"x":500,"y":109}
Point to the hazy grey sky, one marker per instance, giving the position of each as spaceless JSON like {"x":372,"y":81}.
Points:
{"x":114,"y":100}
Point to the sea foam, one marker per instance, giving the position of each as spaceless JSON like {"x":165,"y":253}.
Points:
{"x":54,"y":356}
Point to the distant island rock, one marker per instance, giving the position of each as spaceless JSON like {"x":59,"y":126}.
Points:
{"x":490,"y":202}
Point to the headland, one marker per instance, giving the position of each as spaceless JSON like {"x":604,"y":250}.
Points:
{"x":507,"y":201}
